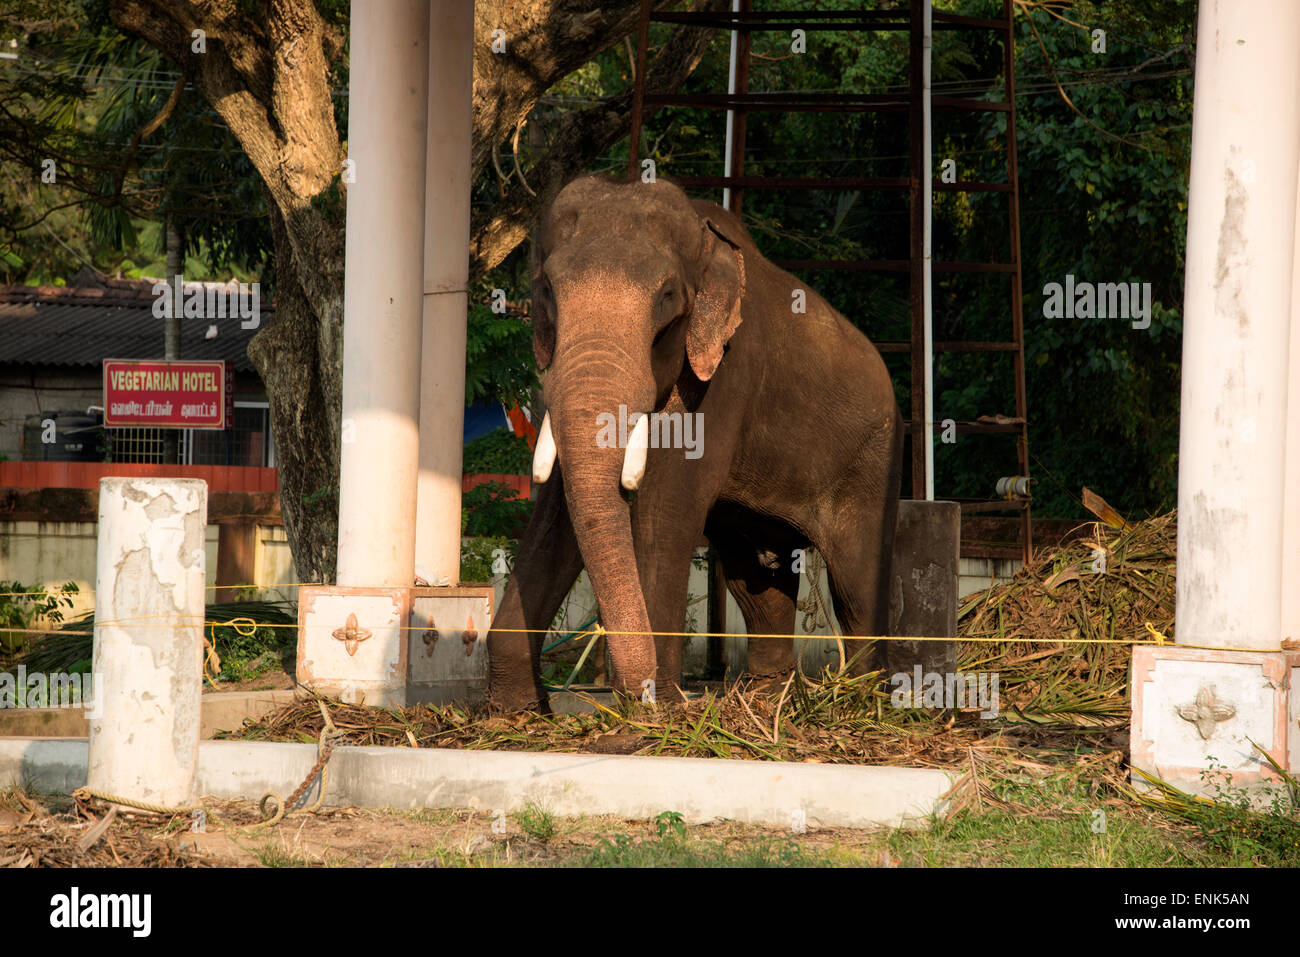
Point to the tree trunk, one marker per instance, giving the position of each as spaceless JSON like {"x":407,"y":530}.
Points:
{"x":267,"y":72}
{"x":172,"y":324}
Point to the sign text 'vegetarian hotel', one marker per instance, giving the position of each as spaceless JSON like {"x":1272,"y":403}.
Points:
{"x":177,"y":394}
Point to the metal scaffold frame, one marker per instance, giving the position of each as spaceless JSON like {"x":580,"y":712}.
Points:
{"x":740,"y":101}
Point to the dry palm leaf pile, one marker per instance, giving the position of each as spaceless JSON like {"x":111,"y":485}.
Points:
{"x":1059,"y":633}
{"x":1055,"y":695}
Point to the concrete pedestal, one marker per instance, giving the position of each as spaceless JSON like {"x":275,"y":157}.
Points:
{"x":447,"y":648}
{"x":923,"y":586}
{"x":352,"y":642}
{"x":1196,"y":710}
{"x":148,"y":659}
{"x":392,"y":647}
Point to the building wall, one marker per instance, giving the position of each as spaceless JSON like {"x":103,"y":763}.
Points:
{"x":25,"y":390}
{"x":51,"y":553}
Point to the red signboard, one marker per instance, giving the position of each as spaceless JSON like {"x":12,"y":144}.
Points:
{"x":172,"y":395}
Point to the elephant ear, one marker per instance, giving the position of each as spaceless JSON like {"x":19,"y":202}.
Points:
{"x":543,"y":324}
{"x":717,"y":301}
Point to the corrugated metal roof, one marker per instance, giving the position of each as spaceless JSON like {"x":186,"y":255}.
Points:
{"x":68,"y":327}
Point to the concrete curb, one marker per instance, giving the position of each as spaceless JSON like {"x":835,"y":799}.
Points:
{"x":568,"y":785}
{"x":219,"y":711}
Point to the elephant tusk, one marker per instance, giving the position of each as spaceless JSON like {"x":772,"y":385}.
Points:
{"x":544,"y":452}
{"x":634,"y":458}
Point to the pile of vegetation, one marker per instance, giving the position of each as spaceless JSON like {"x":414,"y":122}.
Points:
{"x":1059,"y":632}
{"x":249,"y":639}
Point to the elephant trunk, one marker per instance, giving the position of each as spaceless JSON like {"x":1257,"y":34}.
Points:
{"x":594,"y":469}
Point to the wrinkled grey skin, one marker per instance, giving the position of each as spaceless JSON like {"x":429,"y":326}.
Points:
{"x":648,"y":299}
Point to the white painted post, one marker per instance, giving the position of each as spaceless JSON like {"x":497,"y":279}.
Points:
{"x":148,"y":659}
{"x":383,"y":286}
{"x":446,"y":299}
{"x":1241,"y":229}
{"x":1291,"y":478}
{"x":1226,"y":689}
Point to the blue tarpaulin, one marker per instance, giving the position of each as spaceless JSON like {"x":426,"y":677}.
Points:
{"x":482,"y":417}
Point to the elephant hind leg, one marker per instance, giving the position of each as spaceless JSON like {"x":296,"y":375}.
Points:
{"x":857,"y":553}
{"x":856,"y":538}
{"x":766,"y":594}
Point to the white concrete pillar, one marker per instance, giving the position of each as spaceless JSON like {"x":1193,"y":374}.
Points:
{"x":148,"y":660}
{"x":382,"y":293}
{"x":446,"y":300}
{"x":1291,"y":477}
{"x":1240,"y":241}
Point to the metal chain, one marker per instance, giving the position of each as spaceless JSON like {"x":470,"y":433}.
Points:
{"x":283,"y":808}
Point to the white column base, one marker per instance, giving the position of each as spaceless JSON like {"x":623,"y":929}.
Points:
{"x":447,"y":649}
{"x":1196,"y":710}
{"x":393,"y":647}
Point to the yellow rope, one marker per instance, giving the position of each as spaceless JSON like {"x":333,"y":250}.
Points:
{"x":247,"y":626}
{"x":86,"y":793}
{"x":55,"y":593}
{"x":1158,"y":639}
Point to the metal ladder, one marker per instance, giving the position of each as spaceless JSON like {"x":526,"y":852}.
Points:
{"x":745,"y":21}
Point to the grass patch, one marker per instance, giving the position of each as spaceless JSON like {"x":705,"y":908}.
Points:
{"x":674,"y":850}
{"x":1000,"y":838}
{"x":273,"y":855}
{"x":536,"y":822}
{"x":1241,"y":828}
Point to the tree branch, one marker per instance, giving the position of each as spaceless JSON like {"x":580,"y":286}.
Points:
{"x":580,"y":138}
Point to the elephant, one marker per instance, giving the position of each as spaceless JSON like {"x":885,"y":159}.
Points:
{"x":650,"y":308}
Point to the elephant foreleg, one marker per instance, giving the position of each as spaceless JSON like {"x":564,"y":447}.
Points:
{"x":546,"y":567}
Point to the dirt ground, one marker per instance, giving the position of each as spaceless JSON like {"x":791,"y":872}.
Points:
{"x":49,"y":831}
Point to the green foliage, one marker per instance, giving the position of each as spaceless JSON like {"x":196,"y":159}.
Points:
{"x":536,"y":822}
{"x":1106,"y":204}
{"x":479,"y":554}
{"x":23,"y":608}
{"x":499,"y":360}
{"x":674,"y":849}
{"x":258,"y":644}
{"x":670,"y":822}
{"x":1260,"y":829}
{"x":499,"y":452}
{"x":78,"y":93}
{"x":495,"y":509}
